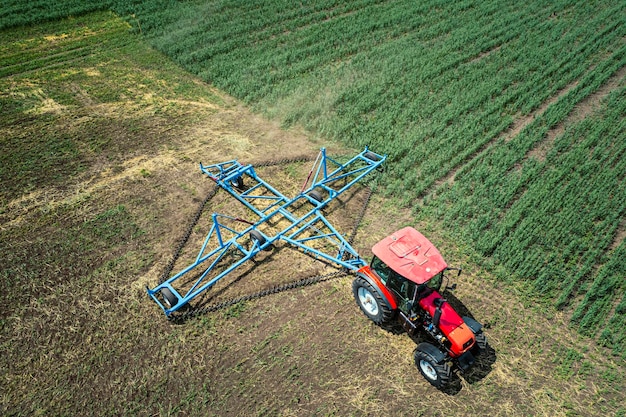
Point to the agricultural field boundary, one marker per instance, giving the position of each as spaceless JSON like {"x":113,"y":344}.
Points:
{"x":79,"y":338}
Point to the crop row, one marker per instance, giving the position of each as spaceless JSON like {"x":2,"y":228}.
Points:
{"x":19,"y":12}
{"x":41,"y":53}
{"x":554,"y":220}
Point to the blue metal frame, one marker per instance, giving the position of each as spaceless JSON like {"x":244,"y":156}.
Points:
{"x":268,"y":203}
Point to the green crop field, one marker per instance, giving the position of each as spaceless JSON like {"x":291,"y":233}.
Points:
{"x":505,"y":126}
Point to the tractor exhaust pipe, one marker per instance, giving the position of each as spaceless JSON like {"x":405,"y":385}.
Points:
{"x":437,"y":316}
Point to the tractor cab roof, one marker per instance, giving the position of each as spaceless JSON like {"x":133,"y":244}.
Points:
{"x":410,"y":254}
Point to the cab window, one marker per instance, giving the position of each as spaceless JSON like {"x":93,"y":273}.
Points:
{"x":400,"y":286}
{"x":403,"y":288}
{"x":434,"y":284}
{"x":381,"y":269}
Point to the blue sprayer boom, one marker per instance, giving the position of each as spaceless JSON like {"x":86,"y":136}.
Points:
{"x":302,"y":224}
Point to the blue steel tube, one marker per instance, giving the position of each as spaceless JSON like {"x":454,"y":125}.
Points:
{"x":225,"y":172}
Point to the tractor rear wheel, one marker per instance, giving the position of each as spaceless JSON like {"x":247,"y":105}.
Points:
{"x":437,"y":373}
{"x":371,"y":302}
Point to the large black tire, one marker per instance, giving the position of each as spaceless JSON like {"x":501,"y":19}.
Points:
{"x":481,"y":341}
{"x":371,"y":302}
{"x":169,"y":298}
{"x":437,"y":373}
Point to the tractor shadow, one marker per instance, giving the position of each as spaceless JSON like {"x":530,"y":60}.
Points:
{"x":484,"y":359}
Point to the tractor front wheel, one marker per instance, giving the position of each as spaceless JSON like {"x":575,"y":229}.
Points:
{"x":438,"y":374}
{"x":371,"y":302}
{"x":481,"y":340}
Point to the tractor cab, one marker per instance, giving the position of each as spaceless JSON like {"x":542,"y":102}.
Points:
{"x":409,"y":265}
{"x":406,"y":292}
{"x":410,"y":255}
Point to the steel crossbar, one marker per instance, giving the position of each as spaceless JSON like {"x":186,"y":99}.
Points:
{"x":303,"y":231}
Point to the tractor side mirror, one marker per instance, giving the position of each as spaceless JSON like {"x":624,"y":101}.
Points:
{"x":455,"y":269}
{"x":453,"y":286}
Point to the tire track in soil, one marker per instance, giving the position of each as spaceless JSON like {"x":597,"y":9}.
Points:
{"x":52,"y":198}
{"x":216,"y":131}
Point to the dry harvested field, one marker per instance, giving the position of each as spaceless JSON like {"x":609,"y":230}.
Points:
{"x":100,"y":140}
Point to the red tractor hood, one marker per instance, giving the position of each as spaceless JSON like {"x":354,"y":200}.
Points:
{"x":459,"y":335}
{"x":411,"y":255}
{"x":450,"y":319}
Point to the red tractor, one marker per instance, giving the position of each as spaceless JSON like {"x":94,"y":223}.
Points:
{"x":402,"y":286}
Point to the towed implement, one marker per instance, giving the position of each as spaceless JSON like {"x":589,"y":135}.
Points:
{"x":400,"y":285}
